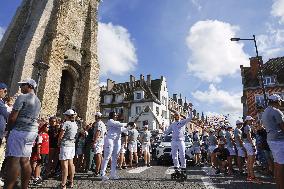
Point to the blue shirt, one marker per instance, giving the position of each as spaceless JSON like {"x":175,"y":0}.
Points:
{"x":178,"y":129}
{"x":4,"y":114}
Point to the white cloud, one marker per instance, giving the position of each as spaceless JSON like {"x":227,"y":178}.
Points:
{"x":116,"y":51}
{"x":278,"y":10}
{"x":226,"y":102}
{"x":2,"y":31}
{"x":213,"y":55}
{"x":271,"y":44}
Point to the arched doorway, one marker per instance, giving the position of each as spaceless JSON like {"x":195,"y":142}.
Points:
{"x":67,"y":87}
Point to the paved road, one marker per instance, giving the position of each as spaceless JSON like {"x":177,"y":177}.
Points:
{"x":158,"y":177}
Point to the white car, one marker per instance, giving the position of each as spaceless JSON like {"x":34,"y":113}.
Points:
{"x":163,"y":151}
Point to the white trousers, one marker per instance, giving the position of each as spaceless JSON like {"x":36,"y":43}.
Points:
{"x":178,"y":153}
{"x":111,"y":149}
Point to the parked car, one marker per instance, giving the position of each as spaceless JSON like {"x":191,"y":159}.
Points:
{"x":163,"y":151}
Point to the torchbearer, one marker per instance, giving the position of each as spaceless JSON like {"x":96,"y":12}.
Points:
{"x":178,"y":146}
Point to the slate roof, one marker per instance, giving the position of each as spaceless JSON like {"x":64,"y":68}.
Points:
{"x":273,"y":67}
{"x":150,"y":92}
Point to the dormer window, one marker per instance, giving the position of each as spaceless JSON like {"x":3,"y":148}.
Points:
{"x":138,"y":95}
{"x":270,"y":80}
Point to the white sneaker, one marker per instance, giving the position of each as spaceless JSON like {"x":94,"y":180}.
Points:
{"x":1,"y":183}
{"x":115,"y":177}
{"x":104,"y":178}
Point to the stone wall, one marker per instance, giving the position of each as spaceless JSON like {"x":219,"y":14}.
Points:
{"x":62,"y":34}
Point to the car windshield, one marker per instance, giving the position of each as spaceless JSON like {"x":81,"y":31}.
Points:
{"x":168,"y":138}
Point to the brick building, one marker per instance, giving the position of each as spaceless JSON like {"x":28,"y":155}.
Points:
{"x":62,"y":34}
{"x":273,"y":72}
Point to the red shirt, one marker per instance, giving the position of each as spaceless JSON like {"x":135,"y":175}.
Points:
{"x":43,"y":140}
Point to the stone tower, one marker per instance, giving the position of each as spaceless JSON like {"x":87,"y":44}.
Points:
{"x":62,"y":34}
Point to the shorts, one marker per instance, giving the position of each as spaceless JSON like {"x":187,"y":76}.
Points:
{"x":132,"y":147}
{"x":197,"y":150}
{"x":277,"y":149}
{"x":67,"y":153}
{"x":42,"y":160}
{"x":241,"y":152}
{"x":145,"y":147}
{"x":79,"y":151}
{"x":212,"y":148}
{"x":122,"y":150}
{"x":232,"y":151}
{"x":249,"y":149}
{"x":20,"y":143}
{"x":99,"y":147}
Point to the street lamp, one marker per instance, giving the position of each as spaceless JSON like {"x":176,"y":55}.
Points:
{"x":259,"y":65}
{"x":41,"y":66}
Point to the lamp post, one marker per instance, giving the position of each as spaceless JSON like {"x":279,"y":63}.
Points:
{"x":259,"y":65}
{"x":41,"y":66}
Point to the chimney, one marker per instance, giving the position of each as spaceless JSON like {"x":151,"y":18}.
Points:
{"x":149,"y":80}
{"x":180,"y":100}
{"x":175,"y":97}
{"x":110,"y":84}
{"x":132,"y":81}
{"x":254,"y":67}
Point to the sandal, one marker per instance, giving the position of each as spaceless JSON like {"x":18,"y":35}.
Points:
{"x":62,"y":186}
{"x":69,"y":184}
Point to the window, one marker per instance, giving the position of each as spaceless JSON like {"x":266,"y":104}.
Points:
{"x":106,"y":111}
{"x":108,"y":99}
{"x":269,"y":80}
{"x":164,"y":114}
{"x":138,"y":95}
{"x":259,"y":101}
{"x":157,"y":111}
{"x":119,"y":98}
{"x":138,"y":109}
{"x":118,"y":110}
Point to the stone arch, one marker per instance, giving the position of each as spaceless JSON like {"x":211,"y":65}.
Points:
{"x":69,"y":86}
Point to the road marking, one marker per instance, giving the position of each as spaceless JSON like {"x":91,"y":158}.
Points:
{"x":206,"y":180}
{"x":138,"y":170}
{"x":170,"y":171}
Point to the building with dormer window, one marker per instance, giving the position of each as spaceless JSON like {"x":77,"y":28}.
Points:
{"x":273,"y":77}
{"x":130,"y":99}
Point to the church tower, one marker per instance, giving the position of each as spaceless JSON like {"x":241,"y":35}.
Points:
{"x":63,"y":35}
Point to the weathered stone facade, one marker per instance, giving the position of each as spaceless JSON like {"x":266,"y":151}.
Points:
{"x":62,"y":34}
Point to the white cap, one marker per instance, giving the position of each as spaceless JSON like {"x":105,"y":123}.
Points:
{"x":29,"y":81}
{"x":228,"y":126}
{"x":239,"y":122}
{"x":146,"y":126}
{"x":99,"y":114}
{"x":211,"y":130}
{"x":69,"y":112}
{"x":274,"y":97}
{"x":249,"y":118}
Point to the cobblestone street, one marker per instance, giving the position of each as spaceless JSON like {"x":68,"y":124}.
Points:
{"x":158,"y":177}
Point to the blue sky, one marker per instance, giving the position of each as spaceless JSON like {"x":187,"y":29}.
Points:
{"x":187,"y":41}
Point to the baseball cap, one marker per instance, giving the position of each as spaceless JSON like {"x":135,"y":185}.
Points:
{"x":3,"y":86}
{"x":249,"y":118}
{"x":274,"y":97}
{"x":146,"y":126}
{"x":29,"y":81}
{"x":238,"y":122}
{"x":99,"y":114}
{"x":69,"y":112}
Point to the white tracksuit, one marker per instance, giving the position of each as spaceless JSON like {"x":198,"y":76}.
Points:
{"x":112,"y":145}
{"x":178,"y":130}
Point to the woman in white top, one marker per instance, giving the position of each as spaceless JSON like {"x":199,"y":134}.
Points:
{"x":66,"y":142}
